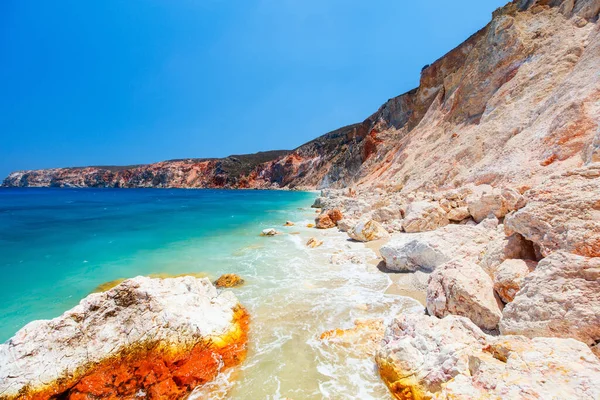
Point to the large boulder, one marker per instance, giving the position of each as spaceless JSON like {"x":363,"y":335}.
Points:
{"x":462,"y":288}
{"x":563,"y":213}
{"x":424,"y":357}
{"x":424,"y":216}
{"x":427,"y":250}
{"x":154,"y":338}
{"x":560,"y":298}
{"x":367,"y":231}
{"x":328,"y":219}
{"x":508,"y":277}
{"x":494,"y":201}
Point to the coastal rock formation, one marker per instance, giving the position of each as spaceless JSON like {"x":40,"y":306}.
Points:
{"x":229,"y":281}
{"x":562,"y":213}
{"x":463,"y":288}
{"x":269,"y":232}
{"x":560,"y":298}
{"x":364,"y":337}
{"x":425,"y":357}
{"x":111,"y":346}
{"x":427,"y":250}
{"x":497,"y":202}
{"x":508,"y":277}
{"x":367,"y":231}
{"x":328,"y":219}
{"x":513,"y":104}
{"x":424,"y":216}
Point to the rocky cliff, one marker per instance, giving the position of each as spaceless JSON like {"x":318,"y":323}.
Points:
{"x":516,"y":102}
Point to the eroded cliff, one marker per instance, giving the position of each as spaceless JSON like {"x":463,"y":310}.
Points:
{"x":517,"y":101}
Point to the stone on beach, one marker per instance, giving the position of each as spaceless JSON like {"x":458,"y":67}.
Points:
{"x":269,"y":232}
{"x":424,"y":216}
{"x":458,"y":214}
{"x":563,"y":213}
{"x":346,"y":224}
{"x":367,"y":231}
{"x":288,"y":223}
{"x":427,"y":250}
{"x":560,"y":298}
{"x":111,"y":345}
{"x":494,"y":201}
{"x":508,"y":277}
{"x":229,"y":281}
{"x":314,"y":242}
{"x":424,"y":357}
{"x":328,"y":219}
{"x":461,"y":287}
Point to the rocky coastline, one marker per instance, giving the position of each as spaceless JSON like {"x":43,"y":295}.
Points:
{"x":479,"y":193}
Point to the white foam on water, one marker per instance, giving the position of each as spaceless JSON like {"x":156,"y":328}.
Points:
{"x":293,"y":295}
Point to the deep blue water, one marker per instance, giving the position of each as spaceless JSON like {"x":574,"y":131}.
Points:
{"x":57,"y":245}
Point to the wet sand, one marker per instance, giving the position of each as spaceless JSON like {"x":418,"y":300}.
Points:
{"x":409,"y":284}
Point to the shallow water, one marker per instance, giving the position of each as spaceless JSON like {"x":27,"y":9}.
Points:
{"x":56,"y":246}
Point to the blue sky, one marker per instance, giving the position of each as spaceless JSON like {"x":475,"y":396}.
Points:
{"x":112,"y":82}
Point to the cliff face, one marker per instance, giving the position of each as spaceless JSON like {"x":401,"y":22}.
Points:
{"x":517,"y":101}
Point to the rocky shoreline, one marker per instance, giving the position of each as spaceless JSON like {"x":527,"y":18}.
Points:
{"x":521,"y":267}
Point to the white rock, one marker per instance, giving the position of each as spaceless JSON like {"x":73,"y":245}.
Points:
{"x":367,"y":231}
{"x":425,"y":357}
{"x":497,"y":202}
{"x":560,"y":298}
{"x":179,"y":312}
{"x":427,"y":250}
{"x":424,"y":216}
{"x":269,"y":232}
{"x":461,"y":287}
{"x":508,"y":277}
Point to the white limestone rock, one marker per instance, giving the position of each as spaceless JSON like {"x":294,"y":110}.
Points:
{"x":427,"y":250}
{"x":560,"y":298}
{"x":426,"y":357}
{"x":461,"y":287}
{"x":424,"y":216}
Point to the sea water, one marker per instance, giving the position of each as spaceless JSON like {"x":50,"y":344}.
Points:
{"x":59,"y":245}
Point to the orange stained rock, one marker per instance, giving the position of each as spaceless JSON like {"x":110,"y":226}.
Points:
{"x":154,"y":370}
{"x":228,"y":281}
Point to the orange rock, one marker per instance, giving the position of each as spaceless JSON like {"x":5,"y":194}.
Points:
{"x":156,"y":369}
{"x":228,"y":281}
{"x":329,"y":219}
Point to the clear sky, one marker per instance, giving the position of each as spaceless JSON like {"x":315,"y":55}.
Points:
{"x":105,"y":82}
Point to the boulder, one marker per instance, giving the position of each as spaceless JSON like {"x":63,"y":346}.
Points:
{"x":154,"y":338}
{"x":288,"y":223}
{"x":328,"y":219}
{"x":346,"y":224}
{"x":367,"y":231}
{"x":494,"y":201}
{"x":504,"y":248}
{"x":560,"y":298}
{"x":269,"y":232}
{"x":229,"y":281}
{"x":563,"y":213}
{"x":314,"y":242}
{"x":386,"y":214}
{"x":427,"y":250}
{"x":458,"y":214}
{"x":461,"y":287}
{"x":424,"y":357}
{"x":324,"y":222}
{"x":508,"y":277}
{"x":424,"y":216}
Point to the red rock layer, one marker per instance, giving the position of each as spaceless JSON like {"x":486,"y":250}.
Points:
{"x":152,"y":370}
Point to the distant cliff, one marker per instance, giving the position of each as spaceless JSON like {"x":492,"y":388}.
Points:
{"x":515,"y":102}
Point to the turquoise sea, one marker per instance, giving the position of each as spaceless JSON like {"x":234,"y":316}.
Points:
{"x":58,"y":245}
